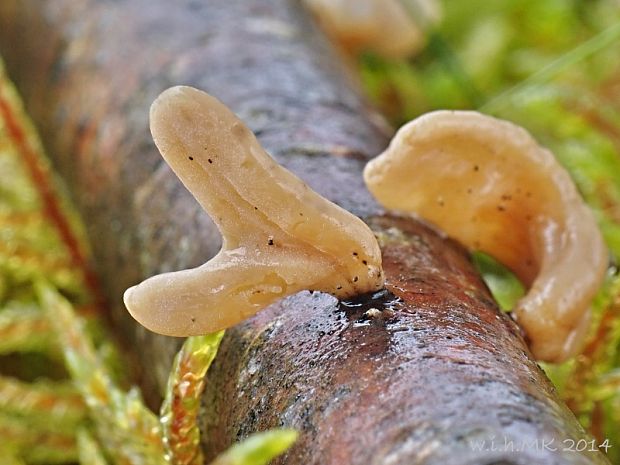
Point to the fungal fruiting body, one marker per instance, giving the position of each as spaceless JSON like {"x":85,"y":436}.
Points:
{"x":391,"y":28}
{"x":279,"y":236}
{"x":488,"y":184}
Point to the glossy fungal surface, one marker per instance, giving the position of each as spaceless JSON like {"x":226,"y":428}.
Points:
{"x":279,"y":236}
{"x":488,"y":184}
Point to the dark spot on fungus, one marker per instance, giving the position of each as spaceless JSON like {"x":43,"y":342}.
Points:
{"x":252,"y":213}
{"x":501,"y":208}
{"x":476,"y":168}
{"x":364,"y":262}
{"x":355,"y":279}
{"x":355,"y":254}
{"x":338,"y":287}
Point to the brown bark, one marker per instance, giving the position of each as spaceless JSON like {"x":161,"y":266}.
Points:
{"x":438,"y":366}
{"x":434,"y":376}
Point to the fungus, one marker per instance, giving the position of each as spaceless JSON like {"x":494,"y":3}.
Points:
{"x":504,"y":195}
{"x":391,"y":28}
{"x":279,"y":236}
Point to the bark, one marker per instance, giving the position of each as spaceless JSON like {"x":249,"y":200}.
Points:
{"x":435,"y":368}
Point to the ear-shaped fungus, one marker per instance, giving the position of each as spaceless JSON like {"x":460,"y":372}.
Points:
{"x":488,"y":184}
{"x":391,"y":28}
{"x":279,"y":236}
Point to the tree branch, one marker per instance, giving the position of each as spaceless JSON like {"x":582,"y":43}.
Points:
{"x":420,"y":374}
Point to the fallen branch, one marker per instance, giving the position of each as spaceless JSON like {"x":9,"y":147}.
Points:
{"x":423,"y":373}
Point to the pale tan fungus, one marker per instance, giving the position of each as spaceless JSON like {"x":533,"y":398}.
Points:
{"x":279,"y":236}
{"x":488,"y":184}
{"x":391,"y":28}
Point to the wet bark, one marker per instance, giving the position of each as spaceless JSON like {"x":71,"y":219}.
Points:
{"x":421,"y":373}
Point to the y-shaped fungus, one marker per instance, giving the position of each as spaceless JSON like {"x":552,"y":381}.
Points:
{"x":279,"y":236}
{"x":488,"y":184}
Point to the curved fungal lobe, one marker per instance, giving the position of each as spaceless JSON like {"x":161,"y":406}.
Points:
{"x":279,"y":236}
{"x":488,"y":184}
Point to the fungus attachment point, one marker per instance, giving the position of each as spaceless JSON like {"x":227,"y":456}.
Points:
{"x":488,"y":184}
{"x":279,"y":236}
